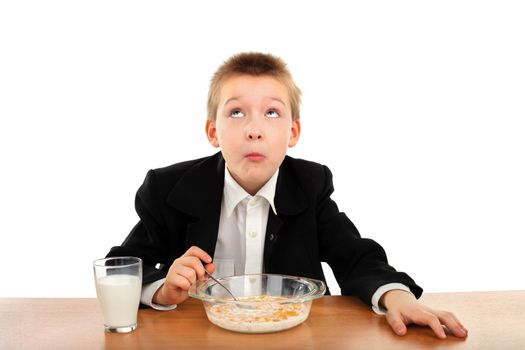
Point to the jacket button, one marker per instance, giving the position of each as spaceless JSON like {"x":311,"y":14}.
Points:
{"x":272,"y":237}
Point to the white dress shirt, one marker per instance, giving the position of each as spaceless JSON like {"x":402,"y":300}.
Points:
{"x":242,"y":228}
{"x":240,"y":241}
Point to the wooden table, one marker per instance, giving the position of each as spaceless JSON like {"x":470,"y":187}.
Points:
{"x":496,"y":320}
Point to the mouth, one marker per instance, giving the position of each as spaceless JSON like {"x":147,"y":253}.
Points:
{"x":255,"y":156}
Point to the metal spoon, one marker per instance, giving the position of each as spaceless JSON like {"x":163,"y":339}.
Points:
{"x":222,"y":285}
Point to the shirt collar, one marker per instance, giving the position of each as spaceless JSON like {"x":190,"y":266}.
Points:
{"x":234,"y":193}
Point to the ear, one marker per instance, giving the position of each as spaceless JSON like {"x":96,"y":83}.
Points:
{"x":211,"y":133}
{"x":296,"y":132}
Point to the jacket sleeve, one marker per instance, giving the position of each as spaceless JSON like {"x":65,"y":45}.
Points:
{"x":148,"y":240}
{"x":359,"y":264}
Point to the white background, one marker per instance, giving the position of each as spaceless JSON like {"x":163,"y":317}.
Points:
{"x":417,"y":108}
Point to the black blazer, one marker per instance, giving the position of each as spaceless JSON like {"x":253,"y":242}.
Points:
{"x":179,"y":206}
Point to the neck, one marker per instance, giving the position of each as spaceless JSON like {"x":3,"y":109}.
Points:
{"x":251,"y":188}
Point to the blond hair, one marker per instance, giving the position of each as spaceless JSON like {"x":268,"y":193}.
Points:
{"x":253,"y":64}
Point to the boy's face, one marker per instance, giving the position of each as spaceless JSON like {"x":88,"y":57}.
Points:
{"x":253,"y":128}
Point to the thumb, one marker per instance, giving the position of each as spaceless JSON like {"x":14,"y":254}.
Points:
{"x":396,"y":322}
{"x":210,"y":268}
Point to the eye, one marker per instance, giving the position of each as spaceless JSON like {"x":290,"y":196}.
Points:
{"x":272,"y":114}
{"x":236,"y":113}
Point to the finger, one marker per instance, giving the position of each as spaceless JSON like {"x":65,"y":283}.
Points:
{"x":199,"y":253}
{"x":395,"y":321}
{"x":179,"y":282}
{"x":431,"y":320}
{"x":193,"y":263}
{"x":452,"y":323}
{"x":210,"y":268}
{"x":188,"y":274}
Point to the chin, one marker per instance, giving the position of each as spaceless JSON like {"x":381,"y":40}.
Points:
{"x":257,"y":175}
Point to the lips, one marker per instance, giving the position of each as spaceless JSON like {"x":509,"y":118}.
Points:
{"x":255,"y":156}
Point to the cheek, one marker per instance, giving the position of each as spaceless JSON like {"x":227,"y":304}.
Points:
{"x":281,"y":137}
{"x":228,"y":137}
{"x":221,"y":131}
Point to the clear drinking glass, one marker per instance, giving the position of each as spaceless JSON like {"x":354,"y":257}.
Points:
{"x":118,"y":281}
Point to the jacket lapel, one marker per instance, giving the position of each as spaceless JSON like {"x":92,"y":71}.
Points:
{"x":290,"y":201}
{"x":289,"y":197}
{"x":198,"y":194}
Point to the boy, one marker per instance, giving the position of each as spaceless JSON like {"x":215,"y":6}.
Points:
{"x":254,"y":209}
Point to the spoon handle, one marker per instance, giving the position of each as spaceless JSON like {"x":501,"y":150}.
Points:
{"x":222,"y":285}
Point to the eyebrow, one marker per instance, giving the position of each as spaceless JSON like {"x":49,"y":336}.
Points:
{"x":271,"y":98}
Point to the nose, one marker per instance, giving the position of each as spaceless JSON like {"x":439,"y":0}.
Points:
{"x":253,"y":131}
{"x":254,"y":135}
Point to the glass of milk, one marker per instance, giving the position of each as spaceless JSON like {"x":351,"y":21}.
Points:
{"x":119,"y":281}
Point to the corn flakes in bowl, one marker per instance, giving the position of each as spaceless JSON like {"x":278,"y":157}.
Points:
{"x":265,"y":302}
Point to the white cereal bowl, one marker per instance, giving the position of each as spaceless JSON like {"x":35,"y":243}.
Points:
{"x":265,"y":303}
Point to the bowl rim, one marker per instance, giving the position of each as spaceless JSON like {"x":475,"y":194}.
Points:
{"x":316,"y":292}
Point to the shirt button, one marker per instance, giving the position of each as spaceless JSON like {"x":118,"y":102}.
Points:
{"x":253,"y":202}
{"x":252,"y":233}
